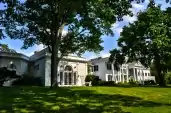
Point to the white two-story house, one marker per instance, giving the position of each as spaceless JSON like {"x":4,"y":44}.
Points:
{"x":106,"y":72}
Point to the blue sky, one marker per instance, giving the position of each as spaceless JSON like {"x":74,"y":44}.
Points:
{"x":109,"y":42}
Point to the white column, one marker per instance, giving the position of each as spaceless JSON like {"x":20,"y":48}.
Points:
{"x":122,"y":74}
{"x":134,"y":74}
{"x":72,"y":79}
{"x":137,"y":73}
{"x":106,"y":77}
{"x":143,"y":77}
{"x":113,"y":73}
{"x":118,"y":75}
{"x":140,"y":76}
{"x":63,"y":74}
{"x":127,"y":74}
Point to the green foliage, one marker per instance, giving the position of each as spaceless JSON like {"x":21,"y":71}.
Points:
{"x":5,"y":48}
{"x":117,"y":58}
{"x":96,"y":81}
{"x":168,"y":77}
{"x":36,"y":21}
{"x":149,"y":82}
{"x":89,"y":78}
{"x":133,"y":83}
{"x":148,"y":39}
{"x":28,"y":80}
{"x":6,"y":74}
{"x":107,"y":83}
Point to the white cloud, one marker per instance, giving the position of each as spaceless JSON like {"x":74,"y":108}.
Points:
{"x":118,"y":30}
{"x":90,"y":55}
{"x":39,"y":47}
{"x":128,"y":19}
{"x":30,"y":54}
{"x":104,"y":54}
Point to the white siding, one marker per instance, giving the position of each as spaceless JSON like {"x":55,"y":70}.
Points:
{"x":47,"y":72}
{"x":102,"y":69}
{"x":21,"y":65}
{"x":79,"y":67}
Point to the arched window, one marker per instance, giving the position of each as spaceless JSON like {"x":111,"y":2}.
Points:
{"x":68,"y":68}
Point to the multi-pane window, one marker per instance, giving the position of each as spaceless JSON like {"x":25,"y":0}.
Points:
{"x":75,"y":78}
{"x":109,"y":77}
{"x":70,"y":79}
{"x":109,"y":66}
{"x":124,"y":71}
{"x":96,"y":68}
{"x":61,"y":77}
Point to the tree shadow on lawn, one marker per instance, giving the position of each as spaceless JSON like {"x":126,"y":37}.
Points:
{"x":63,"y":100}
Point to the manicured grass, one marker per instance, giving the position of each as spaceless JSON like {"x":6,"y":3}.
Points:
{"x":85,"y":100}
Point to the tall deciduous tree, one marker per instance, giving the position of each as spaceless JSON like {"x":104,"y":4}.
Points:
{"x":149,"y":39}
{"x":117,"y":58}
{"x":43,"y":21}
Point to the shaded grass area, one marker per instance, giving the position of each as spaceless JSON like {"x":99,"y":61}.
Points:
{"x":85,"y":100}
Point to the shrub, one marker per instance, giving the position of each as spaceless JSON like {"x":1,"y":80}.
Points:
{"x":149,"y":82}
{"x":107,"y":83}
{"x":133,"y":83}
{"x":6,"y":74}
{"x":28,"y":80}
{"x":168,"y":77}
{"x":96,"y":81}
{"x":89,"y":78}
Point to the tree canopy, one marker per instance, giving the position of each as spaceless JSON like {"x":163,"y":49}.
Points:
{"x":43,"y":21}
{"x":148,"y":39}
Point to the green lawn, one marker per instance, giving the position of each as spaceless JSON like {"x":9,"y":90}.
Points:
{"x":85,"y":100}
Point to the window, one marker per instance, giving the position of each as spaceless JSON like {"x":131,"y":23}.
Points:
{"x":145,"y":74}
{"x":109,"y":77}
{"x":61,"y":77}
{"x":96,"y":68}
{"x":37,"y":67}
{"x":68,"y":68}
{"x":70,"y":79}
{"x":124,"y":71}
{"x":109,"y":66}
{"x":75,"y":77}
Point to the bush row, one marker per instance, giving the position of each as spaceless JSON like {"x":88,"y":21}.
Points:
{"x":98,"y":82}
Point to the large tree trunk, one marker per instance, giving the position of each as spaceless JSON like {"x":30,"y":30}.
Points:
{"x":160,"y":75}
{"x":54,"y":65}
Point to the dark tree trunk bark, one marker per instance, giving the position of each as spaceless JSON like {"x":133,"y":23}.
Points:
{"x":160,"y":75}
{"x":54,"y":65}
